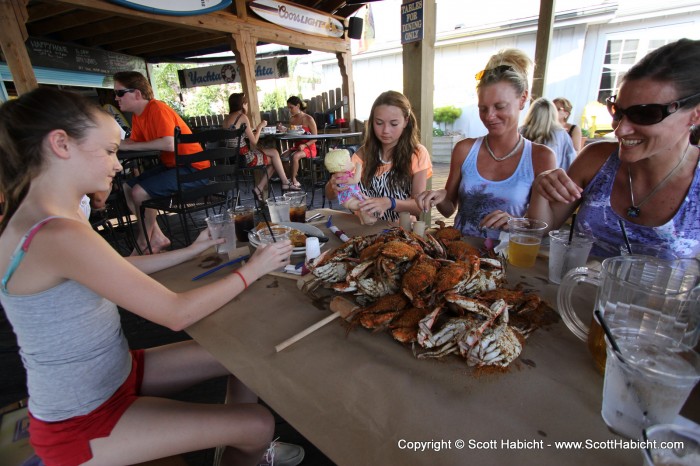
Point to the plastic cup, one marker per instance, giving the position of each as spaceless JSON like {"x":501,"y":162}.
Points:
{"x":279,"y":210}
{"x":524,"y":240}
{"x":222,"y":226}
{"x":650,"y":384}
{"x":297,"y":206}
{"x":670,"y":444}
{"x":244,"y":221}
{"x":405,"y":220}
{"x":659,"y":252}
{"x":419,"y":228}
{"x":564,"y":256}
{"x":280,"y":233}
{"x":313,"y":248}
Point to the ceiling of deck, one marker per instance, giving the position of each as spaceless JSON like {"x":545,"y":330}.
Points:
{"x":138,"y":36}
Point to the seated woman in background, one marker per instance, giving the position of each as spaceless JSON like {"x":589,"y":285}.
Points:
{"x":254,"y":157}
{"x":650,"y":178}
{"x":304,"y":149}
{"x":488,"y":188}
{"x":395,"y":166}
{"x":564,"y":108}
{"x":541,"y":126}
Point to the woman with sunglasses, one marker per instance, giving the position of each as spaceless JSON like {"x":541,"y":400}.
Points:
{"x":491,"y":176}
{"x":649,"y":180}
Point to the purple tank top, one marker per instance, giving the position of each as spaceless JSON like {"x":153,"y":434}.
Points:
{"x":681,"y":234}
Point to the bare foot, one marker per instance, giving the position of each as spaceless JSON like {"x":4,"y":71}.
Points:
{"x":160,"y":245}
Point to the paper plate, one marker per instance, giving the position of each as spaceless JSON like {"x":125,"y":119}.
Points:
{"x":309,"y":230}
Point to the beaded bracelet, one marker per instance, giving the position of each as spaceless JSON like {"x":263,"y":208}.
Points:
{"x":393,"y":203}
{"x":245,"y":283}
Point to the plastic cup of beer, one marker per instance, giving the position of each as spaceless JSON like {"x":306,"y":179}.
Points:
{"x":221,"y":226}
{"x":244,"y":221}
{"x":565,"y":255}
{"x":297,"y":206}
{"x":524,"y":240}
{"x":648,"y":382}
{"x":279,"y":210}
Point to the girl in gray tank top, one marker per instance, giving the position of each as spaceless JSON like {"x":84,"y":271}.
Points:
{"x":61,"y":287}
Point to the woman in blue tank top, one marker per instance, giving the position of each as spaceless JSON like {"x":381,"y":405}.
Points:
{"x":490,"y":177}
{"x":648,"y":181}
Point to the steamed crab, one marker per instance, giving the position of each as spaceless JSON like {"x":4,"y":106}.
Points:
{"x":481,"y":335}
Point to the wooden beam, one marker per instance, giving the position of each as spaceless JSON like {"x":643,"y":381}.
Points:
{"x":102,"y":32}
{"x":41,"y":11}
{"x":13,"y":33}
{"x":242,"y":9}
{"x":196,"y":41}
{"x":543,"y":41}
{"x":222,"y":21}
{"x":243,"y":45}
{"x":60,"y":23}
{"x":150,"y":37}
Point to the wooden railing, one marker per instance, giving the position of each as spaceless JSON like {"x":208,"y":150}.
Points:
{"x":320,"y":107}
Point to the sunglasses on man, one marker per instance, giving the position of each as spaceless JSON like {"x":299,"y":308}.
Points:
{"x":646,"y":114}
{"x":121,"y":92}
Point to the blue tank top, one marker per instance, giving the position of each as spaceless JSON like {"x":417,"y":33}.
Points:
{"x":681,"y":234}
{"x":479,"y":196}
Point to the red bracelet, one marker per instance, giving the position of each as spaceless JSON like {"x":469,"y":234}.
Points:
{"x":245,"y":283}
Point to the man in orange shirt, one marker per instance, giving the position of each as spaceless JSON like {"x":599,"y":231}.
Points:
{"x":152,"y":128}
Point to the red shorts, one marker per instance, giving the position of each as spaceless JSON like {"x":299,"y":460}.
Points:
{"x":309,"y":151}
{"x":67,"y":443}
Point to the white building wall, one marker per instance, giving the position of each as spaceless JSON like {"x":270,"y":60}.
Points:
{"x":575,"y":62}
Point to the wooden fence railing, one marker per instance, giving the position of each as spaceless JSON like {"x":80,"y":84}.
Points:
{"x":320,"y":107}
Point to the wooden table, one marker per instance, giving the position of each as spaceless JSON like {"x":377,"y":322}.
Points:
{"x":362,"y":398}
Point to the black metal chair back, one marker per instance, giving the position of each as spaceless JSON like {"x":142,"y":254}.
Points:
{"x":200,"y":190}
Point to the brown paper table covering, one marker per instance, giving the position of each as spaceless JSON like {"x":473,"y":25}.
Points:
{"x":361,"y":397}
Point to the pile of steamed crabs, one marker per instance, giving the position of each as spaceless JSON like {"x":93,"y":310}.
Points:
{"x":437,"y":293}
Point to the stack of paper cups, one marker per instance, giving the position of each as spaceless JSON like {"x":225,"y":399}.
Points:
{"x":313,"y":248}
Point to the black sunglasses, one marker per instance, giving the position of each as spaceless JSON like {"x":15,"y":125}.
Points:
{"x":121,"y":92}
{"x":646,"y":114}
{"x":499,"y":69}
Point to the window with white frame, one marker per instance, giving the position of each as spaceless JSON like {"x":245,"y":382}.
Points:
{"x":620,"y":55}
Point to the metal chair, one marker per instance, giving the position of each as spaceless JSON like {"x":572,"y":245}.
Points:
{"x":220,"y":177}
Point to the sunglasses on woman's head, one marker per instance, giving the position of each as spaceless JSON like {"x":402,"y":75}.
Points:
{"x":499,"y":69}
{"x":121,"y":92}
{"x":646,"y":114}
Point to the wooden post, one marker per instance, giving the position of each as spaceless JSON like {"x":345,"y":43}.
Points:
{"x":345,"y":65}
{"x":243,"y":45}
{"x":419,"y":73}
{"x":13,"y":34}
{"x":543,"y":40}
{"x":419,"y":77}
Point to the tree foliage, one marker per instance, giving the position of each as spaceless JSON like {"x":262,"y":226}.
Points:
{"x":446,"y":115}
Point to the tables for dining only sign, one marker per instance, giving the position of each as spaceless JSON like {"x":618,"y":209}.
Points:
{"x":268,"y":68}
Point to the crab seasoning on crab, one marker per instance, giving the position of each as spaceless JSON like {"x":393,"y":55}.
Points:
{"x":437,"y":293}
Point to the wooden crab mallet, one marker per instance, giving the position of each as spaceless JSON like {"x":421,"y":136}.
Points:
{"x":341,"y":307}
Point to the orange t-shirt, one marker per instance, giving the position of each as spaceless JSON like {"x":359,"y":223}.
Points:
{"x":419,"y":161}
{"x":158,"y":120}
